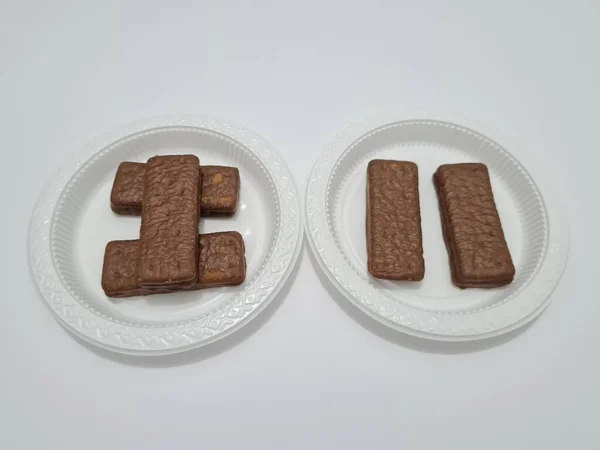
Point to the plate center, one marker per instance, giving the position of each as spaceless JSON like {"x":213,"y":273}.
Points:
{"x":436,"y":292}
{"x":87,"y":224}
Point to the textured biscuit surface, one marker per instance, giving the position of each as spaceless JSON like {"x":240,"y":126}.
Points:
{"x":477,"y":249}
{"x":220,"y":189}
{"x":394,"y":238}
{"x":221,"y":262}
{"x":119,"y":269}
{"x":127,"y":193}
{"x":168,"y":254}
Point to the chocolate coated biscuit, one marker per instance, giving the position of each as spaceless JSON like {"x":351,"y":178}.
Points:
{"x":127,"y":192}
{"x":477,"y":249}
{"x":119,"y":269}
{"x":221,"y":263}
{"x":220,"y":189}
{"x":221,"y":260}
{"x":394,"y":239}
{"x":168,"y":255}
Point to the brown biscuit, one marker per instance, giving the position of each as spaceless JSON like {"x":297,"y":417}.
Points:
{"x":168,"y":255}
{"x":118,"y":271}
{"x":477,"y":249}
{"x":220,"y":189}
{"x":221,"y":263}
{"x":394,"y":239}
{"x":128,"y":189}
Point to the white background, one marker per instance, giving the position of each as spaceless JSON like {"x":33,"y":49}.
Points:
{"x":311,"y":372}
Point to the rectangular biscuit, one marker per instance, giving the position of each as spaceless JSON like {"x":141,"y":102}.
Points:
{"x":477,"y":249}
{"x":221,"y":262}
{"x":220,"y":189}
{"x":168,"y":255}
{"x":394,"y":238}
{"x":119,"y":269}
{"x":127,"y":192}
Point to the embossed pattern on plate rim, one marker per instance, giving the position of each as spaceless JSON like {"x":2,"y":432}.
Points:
{"x":481,"y":324}
{"x":138,"y":340}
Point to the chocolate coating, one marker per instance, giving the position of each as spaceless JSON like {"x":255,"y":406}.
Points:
{"x":221,"y":263}
{"x":477,"y":248}
{"x":394,"y":238}
{"x":119,"y":269}
{"x":222,"y":260}
{"x":127,"y":192}
{"x":220,"y":189}
{"x":168,"y":255}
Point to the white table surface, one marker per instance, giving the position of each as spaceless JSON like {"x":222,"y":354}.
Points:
{"x":311,"y":372}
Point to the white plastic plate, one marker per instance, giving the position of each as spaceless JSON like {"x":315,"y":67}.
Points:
{"x":72,"y":222}
{"x":536,"y":232}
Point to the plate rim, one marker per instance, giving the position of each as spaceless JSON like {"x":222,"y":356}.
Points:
{"x":404,"y":318}
{"x":139,"y":340}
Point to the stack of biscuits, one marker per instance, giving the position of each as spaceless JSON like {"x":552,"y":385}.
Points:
{"x":170,"y":193}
